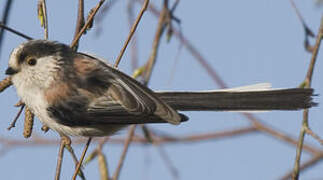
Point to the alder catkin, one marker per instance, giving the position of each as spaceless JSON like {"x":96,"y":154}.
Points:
{"x":29,"y":122}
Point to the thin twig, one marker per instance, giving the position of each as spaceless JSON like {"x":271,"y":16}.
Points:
{"x":168,"y":162}
{"x":104,"y":11}
{"x":13,"y":123}
{"x":88,"y":22}
{"x":206,"y":136}
{"x":300,"y":17}
{"x":101,"y":15}
{"x":175,"y":5}
{"x":132,"y":31}
{"x":314,"y":135}
{"x":153,"y":55}
{"x":124,"y":152}
{"x":133,"y":43}
{"x":94,"y":153}
{"x":174,"y":66}
{"x":308,"y":81}
{"x":266,"y":129}
{"x":80,"y":19}
{"x":65,"y":141}
{"x":4,"y":20}
{"x":3,"y":26}
{"x":148,"y":134}
{"x":307,"y":30}
{"x":314,"y":160}
{"x":59,"y":160}
{"x":76,"y":162}
{"x":78,"y":167}
{"x":162,"y":139}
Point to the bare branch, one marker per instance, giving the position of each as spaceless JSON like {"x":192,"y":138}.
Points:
{"x":133,"y":43}
{"x":127,"y":142}
{"x":13,"y":123}
{"x":283,"y":137}
{"x":76,"y":162}
{"x":173,"y":170}
{"x":59,"y":160}
{"x":153,"y":55}
{"x":308,"y":32}
{"x":314,"y":135}
{"x":78,"y":167}
{"x":89,"y":20}
{"x":4,"y":19}
{"x":80,"y":19}
{"x":3,"y":26}
{"x":132,"y":31}
{"x":316,"y":159}
{"x":308,"y":81}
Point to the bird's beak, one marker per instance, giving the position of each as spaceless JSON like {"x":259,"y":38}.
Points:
{"x":11,"y":71}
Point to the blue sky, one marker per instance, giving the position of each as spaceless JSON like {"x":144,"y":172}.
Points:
{"x":246,"y":42}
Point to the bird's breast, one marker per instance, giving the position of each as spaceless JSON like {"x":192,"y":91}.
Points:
{"x":36,"y":101}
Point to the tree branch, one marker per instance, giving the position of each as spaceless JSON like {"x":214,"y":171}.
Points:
{"x":308,"y":81}
{"x":132,"y":31}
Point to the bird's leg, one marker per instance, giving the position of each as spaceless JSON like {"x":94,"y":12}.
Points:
{"x":64,"y":141}
{"x":45,"y":128}
{"x":82,"y":158}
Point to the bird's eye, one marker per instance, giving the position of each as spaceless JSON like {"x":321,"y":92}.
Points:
{"x":31,"y":61}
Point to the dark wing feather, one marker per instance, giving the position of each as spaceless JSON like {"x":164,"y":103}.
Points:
{"x":117,"y":114}
{"x":112,"y":97}
{"x":103,"y":111}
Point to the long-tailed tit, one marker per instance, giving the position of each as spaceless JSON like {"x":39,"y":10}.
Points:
{"x":79,"y":95}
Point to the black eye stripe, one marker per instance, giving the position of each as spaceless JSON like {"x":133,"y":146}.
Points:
{"x":21,"y":58}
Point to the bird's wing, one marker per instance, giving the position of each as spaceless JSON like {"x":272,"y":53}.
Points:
{"x":116,"y":95}
{"x":105,"y":110}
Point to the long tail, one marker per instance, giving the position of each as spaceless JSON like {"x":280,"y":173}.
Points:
{"x":237,"y":100}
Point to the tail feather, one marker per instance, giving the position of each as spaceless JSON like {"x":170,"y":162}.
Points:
{"x":280,"y":99}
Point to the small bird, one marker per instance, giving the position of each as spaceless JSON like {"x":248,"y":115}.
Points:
{"x":77,"y":94}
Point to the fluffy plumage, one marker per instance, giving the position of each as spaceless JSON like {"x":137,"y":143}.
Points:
{"x":77,"y":94}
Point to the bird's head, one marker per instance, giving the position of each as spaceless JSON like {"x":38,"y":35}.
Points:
{"x":36,"y":63}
